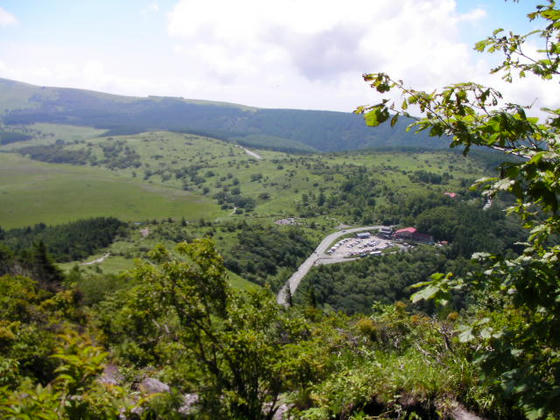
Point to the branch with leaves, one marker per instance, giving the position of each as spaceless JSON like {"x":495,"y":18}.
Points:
{"x":522,"y":351}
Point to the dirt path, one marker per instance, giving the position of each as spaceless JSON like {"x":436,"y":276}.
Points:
{"x":97,"y":261}
{"x":252,"y":154}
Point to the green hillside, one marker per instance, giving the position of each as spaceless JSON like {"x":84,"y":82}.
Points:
{"x":66,"y":172}
{"x":278,"y":129}
{"x":33,"y":192}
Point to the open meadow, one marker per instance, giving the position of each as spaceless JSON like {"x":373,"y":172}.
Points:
{"x":32,"y":192}
{"x":164,"y":174}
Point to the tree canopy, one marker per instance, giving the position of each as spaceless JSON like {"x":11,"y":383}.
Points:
{"x":516,"y":324}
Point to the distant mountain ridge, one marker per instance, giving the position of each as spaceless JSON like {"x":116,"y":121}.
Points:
{"x":279,"y":129}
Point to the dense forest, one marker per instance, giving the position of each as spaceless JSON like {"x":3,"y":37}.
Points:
{"x":352,"y":287}
{"x":66,"y":242}
{"x":217,"y":353}
{"x":7,"y":137}
{"x":260,"y":253}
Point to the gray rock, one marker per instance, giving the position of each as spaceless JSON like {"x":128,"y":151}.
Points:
{"x":189,"y":404}
{"x":460,"y":413}
{"x":282,"y":412}
{"x":111,"y":375}
{"x":153,"y":386}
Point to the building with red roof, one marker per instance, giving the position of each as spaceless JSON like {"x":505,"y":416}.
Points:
{"x":413,"y":234}
{"x":405,"y":233}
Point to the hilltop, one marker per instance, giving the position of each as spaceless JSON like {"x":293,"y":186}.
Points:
{"x":288,"y":130}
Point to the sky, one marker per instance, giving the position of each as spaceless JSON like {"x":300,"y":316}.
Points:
{"x":306,"y":54}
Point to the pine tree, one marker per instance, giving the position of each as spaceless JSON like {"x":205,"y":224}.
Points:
{"x":42,"y":267}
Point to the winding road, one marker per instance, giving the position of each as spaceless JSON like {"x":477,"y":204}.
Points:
{"x":318,"y":254}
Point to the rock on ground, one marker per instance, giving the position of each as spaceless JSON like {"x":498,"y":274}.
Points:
{"x":153,"y":386}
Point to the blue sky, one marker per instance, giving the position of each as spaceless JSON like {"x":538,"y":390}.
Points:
{"x":291,"y":54}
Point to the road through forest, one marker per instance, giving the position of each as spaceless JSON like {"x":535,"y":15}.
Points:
{"x":318,"y":254}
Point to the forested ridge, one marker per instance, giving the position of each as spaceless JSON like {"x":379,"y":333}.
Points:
{"x":277,"y":129}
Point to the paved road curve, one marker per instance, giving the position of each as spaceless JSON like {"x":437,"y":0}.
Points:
{"x":319,"y":253}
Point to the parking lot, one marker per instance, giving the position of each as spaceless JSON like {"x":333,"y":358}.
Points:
{"x":359,"y":247}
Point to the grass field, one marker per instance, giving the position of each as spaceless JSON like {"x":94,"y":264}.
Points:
{"x":283,"y":176}
{"x":45,"y":133}
{"x":116,"y":264}
{"x":33,"y":192}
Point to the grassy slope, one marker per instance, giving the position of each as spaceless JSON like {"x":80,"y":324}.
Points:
{"x":15,"y":95}
{"x":285,"y":176}
{"x":47,"y":134}
{"x":33,"y":192}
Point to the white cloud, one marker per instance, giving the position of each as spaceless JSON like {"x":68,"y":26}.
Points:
{"x":6,"y":18}
{"x":150,"y":8}
{"x":314,"y":52}
{"x":322,"y":41}
{"x":291,"y":54}
{"x":473,"y":15}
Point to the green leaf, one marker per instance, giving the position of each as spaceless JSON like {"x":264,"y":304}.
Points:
{"x":533,"y":413}
{"x":480,"y":46}
{"x":466,"y":335}
{"x":425,"y":294}
{"x":486,"y":333}
{"x":379,"y":114}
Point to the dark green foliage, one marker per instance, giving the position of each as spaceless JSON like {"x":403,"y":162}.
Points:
{"x":471,"y":229}
{"x":57,"y":153}
{"x":34,"y":262}
{"x":125,"y":319}
{"x":43,"y":268}
{"x":6,"y":260}
{"x":231,"y":346}
{"x":70,"y":241}
{"x":7,"y":137}
{"x":117,"y":155}
{"x":235,"y":199}
{"x":262,"y":252}
{"x":94,"y":288}
{"x":517,"y":345}
{"x":241,"y":354}
{"x":30,"y":318}
{"x":190,"y":172}
{"x":426,"y":177}
{"x":354,"y":287}
{"x":354,"y":199}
